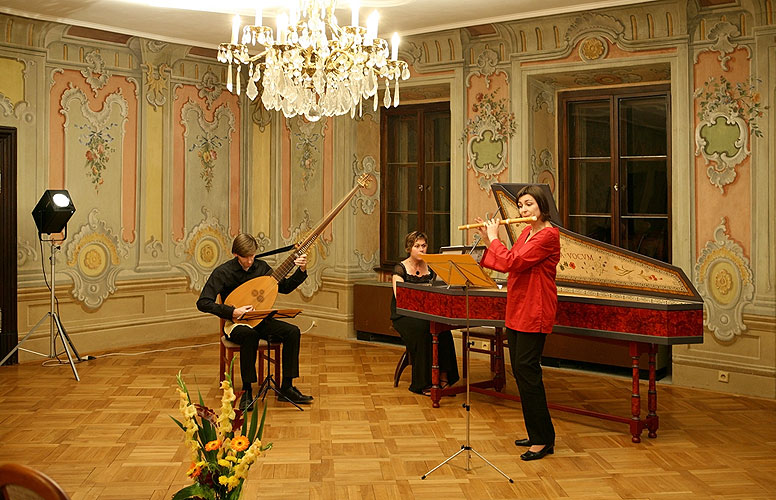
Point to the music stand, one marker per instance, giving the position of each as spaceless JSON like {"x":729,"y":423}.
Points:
{"x":269,"y":382}
{"x":462,"y":270}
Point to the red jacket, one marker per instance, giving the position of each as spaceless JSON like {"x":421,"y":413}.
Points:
{"x":532,"y":298}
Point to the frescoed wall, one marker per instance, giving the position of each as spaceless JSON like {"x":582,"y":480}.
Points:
{"x":165,"y":166}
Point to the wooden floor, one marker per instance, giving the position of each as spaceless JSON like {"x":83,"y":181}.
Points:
{"x":110,"y":436}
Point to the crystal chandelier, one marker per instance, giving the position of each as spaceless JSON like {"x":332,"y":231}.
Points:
{"x":312,"y":66}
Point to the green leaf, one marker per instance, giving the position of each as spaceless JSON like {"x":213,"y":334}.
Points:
{"x":179,"y":423}
{"x":195,"y":490}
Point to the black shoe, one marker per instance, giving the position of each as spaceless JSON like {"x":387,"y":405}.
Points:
{"x":523,"y":442}
{"x":292,"y":394}
{"x":536,"y":455}
{"x":246,"y":401}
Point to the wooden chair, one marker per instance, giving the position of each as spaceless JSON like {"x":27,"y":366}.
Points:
{"x":227,"y":350}
{"x":20,"y":480}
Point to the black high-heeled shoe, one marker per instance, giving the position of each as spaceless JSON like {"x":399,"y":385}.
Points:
{"x":536,"y":455}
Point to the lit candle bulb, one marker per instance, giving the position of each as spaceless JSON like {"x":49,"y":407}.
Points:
{"x":282,"y":25}
{"x":257,"y":20}
{"x":235,"y":28}
{"x":371,"y":26}
{"x":354,"y":4}
{"x":395,"y":46}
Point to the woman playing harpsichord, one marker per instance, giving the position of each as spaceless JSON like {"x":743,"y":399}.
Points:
{"x":415,"y":332}
{"x":532,"y":300}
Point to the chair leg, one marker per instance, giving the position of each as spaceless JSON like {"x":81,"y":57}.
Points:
{"x":404,"y":361}
{"x":262,"y":357}
{"x":276,"y":348}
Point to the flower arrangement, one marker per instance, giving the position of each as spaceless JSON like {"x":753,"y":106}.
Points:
{"x":98,"y":151}
{"x":223,"y":446}
{"x":740,"y":100}
{"x":207,"y":151}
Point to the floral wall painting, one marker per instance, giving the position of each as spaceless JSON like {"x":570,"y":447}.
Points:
{"x":486,"y":136}
{"x":203,"y":248}
{"x":207,"y":147}
{"x":728,"y":114}
{"x":724,"y":279}
{"x":98,"y":150}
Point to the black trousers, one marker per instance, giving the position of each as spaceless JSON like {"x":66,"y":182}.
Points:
{"x":525,"y":351}
{"x":416,"y":334}
{"x":275,"y":330}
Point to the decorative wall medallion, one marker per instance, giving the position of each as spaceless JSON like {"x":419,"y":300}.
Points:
{"x":593,"y":48}
{"x":594,"y":23}
{"x":414,"y":53}
{"x":542,"y":168}
{"x":488,"y":134}
{"x":364,"y":264}
{"x":727,"y":115}
{"x":156,"y":83}
{"x":206,"y":246}
{"x":153,"y":247}
{"x":720,"y":35}
{"x":25,"y":252}
{"x":209,"y":87}
{"x":546,"y":100}
{"x":259,"y":114}
{"x":95,"y":73}
{"x":94,"y":256}
{"x":486,"y":64}
{"x":366,"y":198}
{"x":723,"y":277}
{"x":96,"y":134}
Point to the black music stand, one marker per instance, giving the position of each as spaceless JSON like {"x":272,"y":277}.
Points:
{"x":269,"y":382}
{"x":462,"y":270}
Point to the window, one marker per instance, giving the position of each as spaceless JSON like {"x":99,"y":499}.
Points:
{"x":415,"y":191}
{"x":616,"y":167}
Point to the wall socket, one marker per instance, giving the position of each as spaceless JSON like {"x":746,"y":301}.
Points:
{"x":723,"y":376}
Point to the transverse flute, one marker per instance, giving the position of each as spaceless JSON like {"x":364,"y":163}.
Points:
{"x":502,"y":222}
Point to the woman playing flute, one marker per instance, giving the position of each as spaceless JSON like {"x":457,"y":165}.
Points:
{"x":532,"y":301}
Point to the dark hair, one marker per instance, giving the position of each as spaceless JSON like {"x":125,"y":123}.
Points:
{"x":538,"y":194}
{"x":411,"y":238}
{"x":244,"y":245}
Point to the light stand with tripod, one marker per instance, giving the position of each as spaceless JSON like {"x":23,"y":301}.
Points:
{"x":462,"y":270}
{"x":51,"y":214}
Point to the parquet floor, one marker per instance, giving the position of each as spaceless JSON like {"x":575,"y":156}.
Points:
{"x":110,"y":437}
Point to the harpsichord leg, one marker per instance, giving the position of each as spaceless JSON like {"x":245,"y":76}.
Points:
{"x":652,"y":418}
{"x":636,"y":425}
{"x":436,"y":391}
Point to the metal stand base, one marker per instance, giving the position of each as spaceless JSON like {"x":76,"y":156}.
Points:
{"x":467,"y":447}
{"x":269,"y":384}
{"x":55,"y":326}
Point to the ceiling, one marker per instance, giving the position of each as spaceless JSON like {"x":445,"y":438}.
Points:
{"x":207,"y":29}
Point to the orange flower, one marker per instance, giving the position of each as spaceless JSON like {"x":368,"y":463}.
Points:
{"x":194,"y":471}
{"x":240,"y":443}
{"x":213,"y":445}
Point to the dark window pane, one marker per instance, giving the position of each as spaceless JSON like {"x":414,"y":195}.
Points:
{"x":437,"y":136}
{"x":599,"y":228}
{"x":647,"y":236}
{"x":401,"y":188}
{"x":646,"y":188}
{"x":643,"y":126}
{"x":399,"y":225}
{"x":589,"y":187}
{"x":403,"y":139}
{"x":438,"y":231}
{"x":589,"y":129}
{"x":437,"y":187}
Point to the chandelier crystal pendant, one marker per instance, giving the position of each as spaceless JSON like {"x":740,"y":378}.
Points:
{"x":312,"y":66}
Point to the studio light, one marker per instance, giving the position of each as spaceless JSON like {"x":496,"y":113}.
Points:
{"x":53,"y":211}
